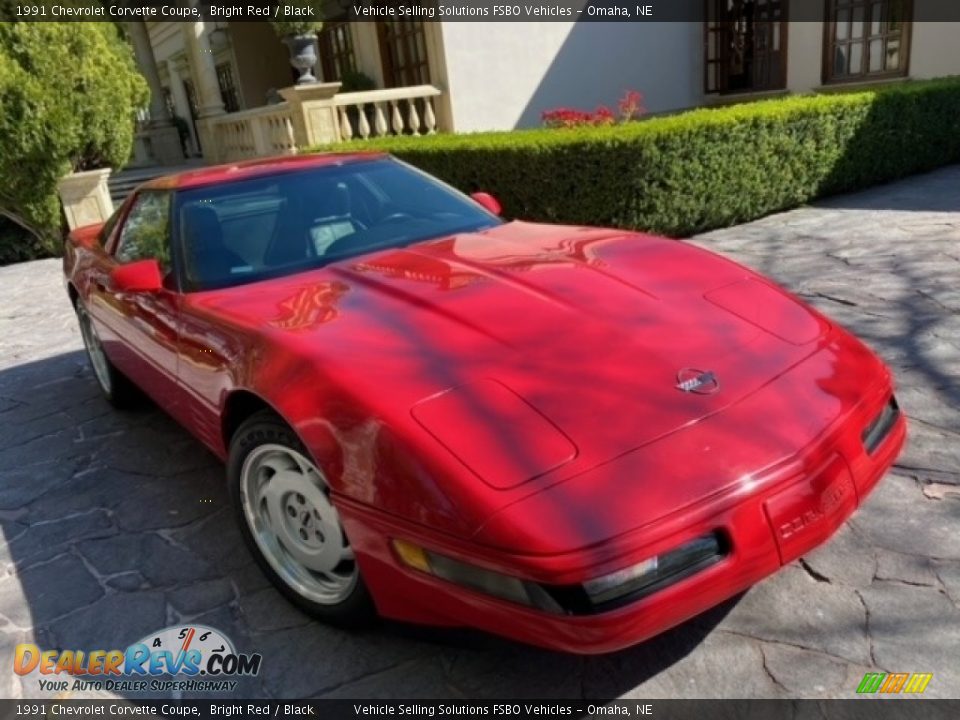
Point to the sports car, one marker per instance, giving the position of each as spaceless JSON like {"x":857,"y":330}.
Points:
{"x":574,"y":437}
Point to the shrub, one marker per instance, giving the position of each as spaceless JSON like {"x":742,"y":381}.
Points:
{"x":16,"y":244}
{"x":702,"y":169}
{"x":356,"y":81}
{"x":68,"y":95}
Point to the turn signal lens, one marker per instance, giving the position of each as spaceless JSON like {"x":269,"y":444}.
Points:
{"x":412,"y":555}
{"x":482,"y":580}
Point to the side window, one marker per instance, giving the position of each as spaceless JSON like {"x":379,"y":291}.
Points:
{"x":146,"y":233}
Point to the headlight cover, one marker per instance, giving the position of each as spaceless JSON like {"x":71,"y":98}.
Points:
{"x":597,"y":595}
{"x":652,"y":574}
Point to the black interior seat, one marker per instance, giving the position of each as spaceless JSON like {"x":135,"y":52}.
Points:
{"x":208,"y":257}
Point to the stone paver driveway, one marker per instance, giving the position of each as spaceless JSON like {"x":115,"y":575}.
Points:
{"x":115,"y":524}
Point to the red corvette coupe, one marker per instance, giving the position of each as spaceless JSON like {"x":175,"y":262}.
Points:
{"x":574,"y":437}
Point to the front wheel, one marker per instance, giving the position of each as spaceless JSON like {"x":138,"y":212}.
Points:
{"x":289,"y":522}
{"x":118,"y":390}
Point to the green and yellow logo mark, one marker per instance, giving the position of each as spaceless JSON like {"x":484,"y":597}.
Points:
{"x":894,"y":683}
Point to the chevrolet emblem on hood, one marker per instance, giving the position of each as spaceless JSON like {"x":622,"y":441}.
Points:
{"x":690,"y":380}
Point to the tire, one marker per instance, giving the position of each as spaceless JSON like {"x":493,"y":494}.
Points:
{"x":282,"y":503}
{"x":116,"y":387}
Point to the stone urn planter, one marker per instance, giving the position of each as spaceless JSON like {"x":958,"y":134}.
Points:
{"x":303,"y":55}
{"x":299,"y":34}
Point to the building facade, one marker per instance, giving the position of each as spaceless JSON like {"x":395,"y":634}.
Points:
{"x":229,"y":83}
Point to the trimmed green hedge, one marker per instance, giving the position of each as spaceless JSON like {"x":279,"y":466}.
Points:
{"x":702,"y":169}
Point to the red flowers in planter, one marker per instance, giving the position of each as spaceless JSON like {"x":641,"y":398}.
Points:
{"x":630,"y":107}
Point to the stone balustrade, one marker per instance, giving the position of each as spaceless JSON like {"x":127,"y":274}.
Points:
{"x":396,"y":111}
{"x":315,"y":114}
{"x":261,"y":132}
{"x":318,"y":114}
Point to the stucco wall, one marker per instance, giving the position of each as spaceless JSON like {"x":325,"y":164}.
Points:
{"x":503,"y":75}
{"x":935,"y":49}
{"x":366,"y":50}
{"x":166,"y":38}
{"x":804,"y":55}
{"x":262,"y":61}
{"x":934,"y":52}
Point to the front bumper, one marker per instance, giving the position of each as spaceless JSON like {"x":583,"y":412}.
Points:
{"x":787,"y":511}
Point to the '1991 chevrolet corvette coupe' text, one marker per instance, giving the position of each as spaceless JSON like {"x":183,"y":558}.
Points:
{"x":574,"y":437}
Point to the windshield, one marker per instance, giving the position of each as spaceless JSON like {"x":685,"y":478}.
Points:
{"x":281,"y":224}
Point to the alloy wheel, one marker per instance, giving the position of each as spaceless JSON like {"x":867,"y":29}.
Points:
{"x":91,"y":341}
{"x":286,"y":503}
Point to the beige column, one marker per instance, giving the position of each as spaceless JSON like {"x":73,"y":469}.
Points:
{"x":209,"y":100}
{"x":161,"y":135}
{"x":197,"y":43}
{"x":148,"y":67}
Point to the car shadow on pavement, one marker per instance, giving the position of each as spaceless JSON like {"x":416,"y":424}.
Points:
{"x":116,"y":525}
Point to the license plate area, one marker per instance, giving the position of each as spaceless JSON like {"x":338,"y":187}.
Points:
{"x":810,"y":510}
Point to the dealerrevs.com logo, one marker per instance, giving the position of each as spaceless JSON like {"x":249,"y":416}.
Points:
{"x":180,"y":657}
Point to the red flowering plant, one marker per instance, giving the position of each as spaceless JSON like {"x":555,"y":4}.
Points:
{"x":569,"y":117}
{"x":629,"y":107}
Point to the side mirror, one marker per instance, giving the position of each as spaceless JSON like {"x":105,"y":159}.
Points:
{"x":139,"y":276}
{"x":488,"y":201}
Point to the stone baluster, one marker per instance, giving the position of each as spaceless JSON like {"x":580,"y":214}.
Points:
{"x":346,"y":129}
{"x":379,"y":121}
{"x":396,"y":119}
{"x":290,"y":139}
{"x":412,"y":117}
{"x":363,"y":127}
{"x":429,"y":119}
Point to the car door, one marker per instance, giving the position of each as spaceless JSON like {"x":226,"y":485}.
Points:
{"x":142,"y":324}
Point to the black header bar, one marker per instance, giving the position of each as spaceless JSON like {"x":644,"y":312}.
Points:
{"x":424,"y":10}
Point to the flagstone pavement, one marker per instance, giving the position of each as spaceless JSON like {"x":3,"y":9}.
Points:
{"x":116,"y":524}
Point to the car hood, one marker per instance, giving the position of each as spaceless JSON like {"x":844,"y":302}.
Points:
{"x":561,"y":346}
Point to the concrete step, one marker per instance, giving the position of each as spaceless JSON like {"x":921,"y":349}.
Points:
{"x":121,"y":184}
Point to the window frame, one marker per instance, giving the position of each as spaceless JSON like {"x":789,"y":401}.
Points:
{"x":229,"y":88}
{"x":713,"y":26}
{"x":829,"y":34}
{"x":333,"y":55}
{"x":172,"y":278}
{"x":108,"y":232}
{"x":403,"y":42}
